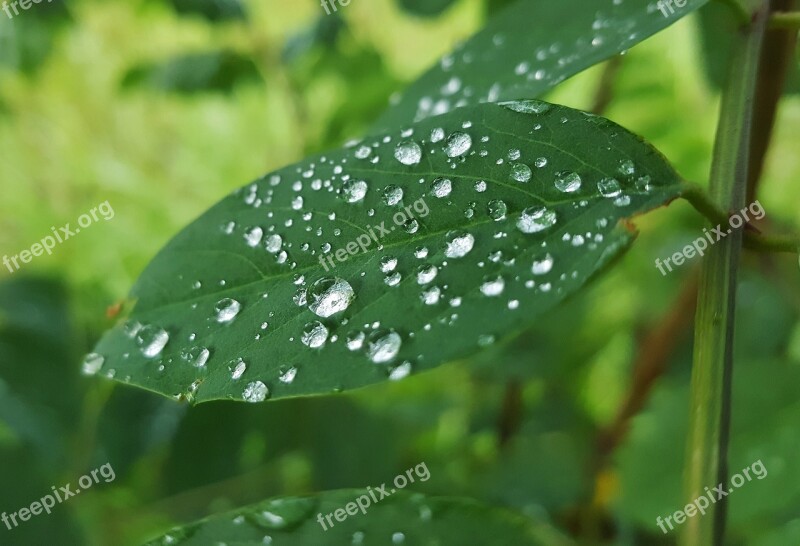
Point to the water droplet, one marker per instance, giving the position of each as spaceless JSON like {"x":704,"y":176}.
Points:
{"x":92,"y":363}
{"x":421,"y":252}
{"x":226,"y":310}
{"x":274,"y":243}
{"x":237,"y":367}
{"x":355,"y":340}
{"x":493,"y":287}
{"x":568,"y":181}
{"x":497,"y":210}
{"x":255,"y":392}
{"x":151,"y":340}
{"x":401,"y":372}
{"x":442,"y":187}
{"x":540,"y":162}
{"x":315,"y":334}
{"x":408,"y":152}
{"x":253,"y":236}
{"x":329,"y":296}
{"x":542,"y":265}
{"x":458,"y":144}
{"x":281,"y":514}
{"x":536,"y":219}
{"x":392,"y":195}
{"x":437,"y":135}
{"x":622,"y":201}
{"x":354,"y":190}
{"x":363,"y":152}
{"x":480,"y":186}
{"x":521,"y":172}
{"x":459,"y":244}
{"x":627,"y":167}
{"x":527,"y":106}
{"x":398,"y":538}
{"x":609,"y":187}
{"x":388,"y":264}
{"x":288,"y":376}
{"x":196,"y":356}
{"x":393,"y":279}
{"x":411,"y":226}
{"x":383,"y":346}
{"x":431,"y":296}
{"x":426,"y":274}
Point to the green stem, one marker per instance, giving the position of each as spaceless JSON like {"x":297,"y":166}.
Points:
{"x":705,"y":205}
{"x":790,"y":20}
{"x":709,"y":421}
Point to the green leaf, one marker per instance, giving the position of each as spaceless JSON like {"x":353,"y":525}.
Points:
{"x":412,"y":518}
{"x":27,"y":38}
{"x":526,"y":50}
{"x":425,"y":8}
{"x":219,"y":71}
{"x":501,"y":215}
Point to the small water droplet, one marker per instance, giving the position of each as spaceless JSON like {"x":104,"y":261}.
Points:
{"x":288,"y":376}
{"x":196,"y":356}
{"x":458,"y":144}
{"x":542,"y":265}
{"x":151,"y":340}
{"x":237,"y":367}
{"x":383,"y":346}
{"x":392,"y":195}
{"x":442,"y":187}
{"x":255,"y":392}
{"x":497,"y":210}
{"x":609,"y":187}
{"x":354,"y":190}
{"x":253,"y":236}
{"x":493,"y":286}
{"x":388,"y":264}
{"x":315,"y":334}
{"x":92,"y":363}
{"x":426,"y":274}
{"x":408,"y":152}
{"x":521,"y":172}
{"x":274,"y":243}
{"x":355,"y":340}
{"x":226,"y":310}
{"x":459,"y":244}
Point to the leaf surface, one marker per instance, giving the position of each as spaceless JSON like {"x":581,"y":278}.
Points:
{"x":389,"y":257}
{"x":528,"y":49}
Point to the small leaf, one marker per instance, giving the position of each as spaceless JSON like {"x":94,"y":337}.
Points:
{"x":425,"y":8}
{"x":528,"y":49}
{"x":219,"y":71}
{"x":385,"y":258}
{"x":400,"y":518}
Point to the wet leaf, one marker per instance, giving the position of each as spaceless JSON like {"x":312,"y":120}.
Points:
{"x":527,"y":50}
{"x":400,"y":518}
{"x":496,"y":210}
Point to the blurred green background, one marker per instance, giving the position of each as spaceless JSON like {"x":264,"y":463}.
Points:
{"x":162,"y":107}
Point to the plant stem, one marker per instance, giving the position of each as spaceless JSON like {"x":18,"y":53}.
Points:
{"x":705,"y":205}
{"x":790,"y":20}
{"x":709,"y":421}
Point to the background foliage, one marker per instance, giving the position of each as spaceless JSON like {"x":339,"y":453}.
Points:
{"x":163,"y":108}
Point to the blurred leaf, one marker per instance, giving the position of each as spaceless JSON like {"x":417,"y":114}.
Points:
{"x":323,"y":33}
{"x":223,"y":305}
{"x":425,"y":8}
{"x":216,"y":71}
{"x":39,"y":381}
{"x":718,"y":28}
{"x":402,"y":516}
{"x":212,"y":10}
{"x":526,"y":50}
{"x":27,"y":38}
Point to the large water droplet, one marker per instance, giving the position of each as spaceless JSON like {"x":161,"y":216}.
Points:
{"x":536,"y":219}
{"x":521,"y":172}
{"x":392,"y":195}
{"x":255,"y":392}
{"x":226,"y":310}
{"x":330,"y":295}
{"x":568,"y":181}
{"x":458,"y":144}
{"x":459,"y":244}
{"x":497,"y":210}
{"x":315,"y":334}
{"x":253,"y":236}
{"x":408,"y":152}
{"x":151,"y":340}
{"x":354,"y":190}
{"x":442,"y":187}
{"x":383,"y":346}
